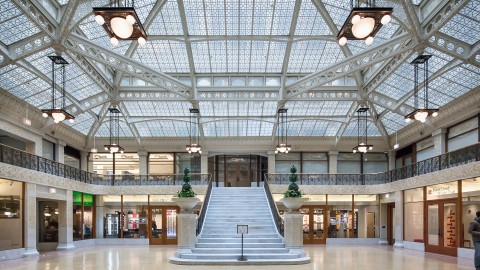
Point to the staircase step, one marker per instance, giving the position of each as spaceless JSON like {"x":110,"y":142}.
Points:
{"x":239,"y":250}
{"x":234,"y":256}
{"x":237,"y":240}
{"x":239,"y":245}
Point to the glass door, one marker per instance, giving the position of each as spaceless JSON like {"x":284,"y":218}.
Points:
{"x":163,"y":225}
{"x":441,"y":227}
{"x":313,"y":224}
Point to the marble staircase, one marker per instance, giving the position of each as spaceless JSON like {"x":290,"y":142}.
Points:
{"x":219,"y":243}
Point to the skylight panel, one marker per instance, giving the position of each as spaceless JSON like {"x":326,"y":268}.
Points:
{"x":218,"y":56}
{"x":168,"y":21}
{"x":310,"y":22}
{"x":13,"y":25}
{"x":165,"y":56}
{"x":313,"y":55}
{"x":276,"y":54}
{"x":332,"y":129}
{"x":293,"y":127}
{"x":393,"y":122}
{"x":244,"y":49}
{"x":201,"y":57}
{"x":195,"y":14}
{"x":232,"y":55}
{"x":83,"y":123}
{"x":282,"y":16}
{"x":258,"y":59}
{"x":464,"y":26}
{"x":133,"y":108}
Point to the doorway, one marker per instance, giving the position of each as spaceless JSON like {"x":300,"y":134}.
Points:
{"x":163,"y":225}
{"x":441,"y":227}
{"x":313,"y":224}
{"x":390,"y":223}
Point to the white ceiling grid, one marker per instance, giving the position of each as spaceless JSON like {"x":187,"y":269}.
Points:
{"x":238,"y":38}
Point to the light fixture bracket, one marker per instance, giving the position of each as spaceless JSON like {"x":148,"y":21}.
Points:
{"x":282,"y":133}
{"x":376,"y":13}
{"x":109,"y":13}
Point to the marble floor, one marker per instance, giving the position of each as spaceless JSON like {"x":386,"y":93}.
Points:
{"x":156,"y":257}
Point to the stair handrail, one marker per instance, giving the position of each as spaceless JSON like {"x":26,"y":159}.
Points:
{"x":203,"y":210}
{"x":273,"y":208}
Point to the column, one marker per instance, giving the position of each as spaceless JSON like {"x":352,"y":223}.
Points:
{"x":35,"y":147}
{"x":65,"y":223}
{"x":143,"y":162}
{"x":439,"y":141}
{"x":60,"y":151}
{"x":383,"y":225}
{"x":30,"y":228}
{"x":271,"y":161}
{"x":84,"y":161}
{"x":398,"y":230}
{"x":204,"y":162}
{"x":99,"y":215}
{"x":186,"y":231}
{"x":293,"y":230}
{"x":391,"y":159}
{"x":332,"y":162}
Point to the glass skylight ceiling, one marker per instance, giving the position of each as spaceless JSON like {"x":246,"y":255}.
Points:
{"x":14,"y":25}
{"x":234,"y":41}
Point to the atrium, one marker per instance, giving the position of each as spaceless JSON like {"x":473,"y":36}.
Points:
{"x":239,"y":92}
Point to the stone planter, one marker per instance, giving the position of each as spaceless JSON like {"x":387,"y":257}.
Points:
{"x":186,"y":203}
{"x":293,"y":203}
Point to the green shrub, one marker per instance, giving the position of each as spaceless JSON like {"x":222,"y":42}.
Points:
{"x":293,"y":191}
{"x":186,"y":187}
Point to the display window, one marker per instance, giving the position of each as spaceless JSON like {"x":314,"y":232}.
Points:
{"x":11,"y":214}
{"x":341,"y":216}
{"x":83,"y":216}
{"x":161,"y":163}
{"x":470,"y":205}
{"x":125,"y":164}
{"x":413,"y":223}
{"x":285,"y":161}
{"x":112,"y":217}
{"x":135,"y":209}
{"x":366,"y":214}
{"x":48,"y":221}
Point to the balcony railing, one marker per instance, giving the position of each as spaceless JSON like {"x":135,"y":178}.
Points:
{"x":26,"y":160}
{"x":455,"y":158}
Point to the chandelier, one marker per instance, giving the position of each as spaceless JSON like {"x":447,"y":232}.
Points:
{"x":114,"y":146}
{"x":194,"y":146}
{"x":422,"y":111}
{"x":58,"y":80}
{"x":282,"y":133}
{"x":364,"y":21}
{"x":362,"y":145}
{"x":121,"y":22}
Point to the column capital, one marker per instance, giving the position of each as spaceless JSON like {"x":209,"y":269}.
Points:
{"x":61,"y":142}
{"x":439,"y":131}
{"x":204,"y":153}
{"x":331,"y":153}
{"x":271,"y":152}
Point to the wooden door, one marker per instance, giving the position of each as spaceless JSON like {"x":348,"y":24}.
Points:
{"x":441,"y":227}
{"x":390,"y":223}
{"x":163,"y":225}
{"x":314,"y":224}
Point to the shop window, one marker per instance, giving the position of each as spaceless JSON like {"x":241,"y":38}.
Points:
{"x":135,"y":209}
{"x":185,"y":160}
{"x":110,"y":207}
{"x":48,"y":221}
{"x":83,"y":216}
{"x":375,"y":163}
{"x":283,"y":162}
{"x":470,"y":205}
{"x":160,"y":163}
{"x":314,"y":163}
{"x":463,"y":134}
{"x":366,"y":216}
{"x":48,"y":150}
{"x":11,"y":218}
{"x":341,"y":217}
{"x":349,"y":163}
{"x":72,"y":157}
{"x":425,"y":149}
{"x":126,"y":164}
{"x":413,"y":223}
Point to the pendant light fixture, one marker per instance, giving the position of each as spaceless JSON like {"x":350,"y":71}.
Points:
{"x":121,"y":22}
{"x":396,"y":145}
{"x":58,"y":103}
{"x":282,"y":132}
{"x":194,"y":146}
{"x":114,"y":146}
{"x":422,"y":110}
{"x":362,"y":137}
{"x":364,"y":21}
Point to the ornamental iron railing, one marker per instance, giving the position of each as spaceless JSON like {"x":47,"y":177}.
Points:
{"x":26,"y":160}
{"x":203,"y":211}
{"x":273,"y":207}
{"x":452,"y":159}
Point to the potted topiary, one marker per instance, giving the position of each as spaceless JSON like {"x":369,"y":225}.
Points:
{"x":292,"y":198}
{"x":186,"y":199}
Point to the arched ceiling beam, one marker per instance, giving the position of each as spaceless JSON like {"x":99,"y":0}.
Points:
{"x":117,"y":62}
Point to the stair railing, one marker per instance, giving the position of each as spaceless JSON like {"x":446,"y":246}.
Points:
{"x":203,"y":210}
{"x":273,"y":207}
